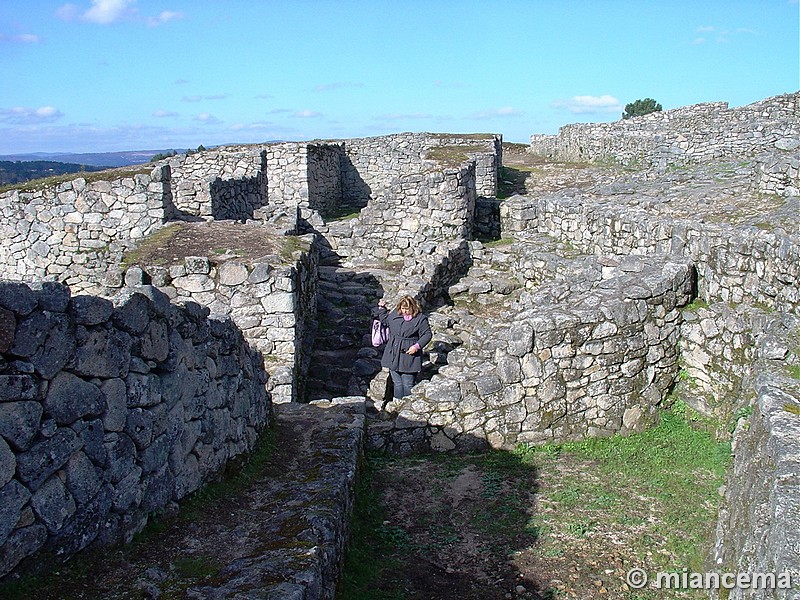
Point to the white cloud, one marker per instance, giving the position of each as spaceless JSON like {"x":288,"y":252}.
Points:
{"x":164,"y":113}
{"x":207,"y":118}
{"x":27,"y":38}
{"x":705,"y":29}
{"x":164,"y":16}
{"x":590,"y":104}
{"x":67,"y":12}
{"x":306,"y":114}
{"x":105,"y":12}
{"x":698,"y":41}
{"x":26,"y":115}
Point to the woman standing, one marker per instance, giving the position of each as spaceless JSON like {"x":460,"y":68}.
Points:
{"x":409,"y":332}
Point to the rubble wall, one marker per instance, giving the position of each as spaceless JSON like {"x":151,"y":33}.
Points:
{"x":272,"y":302}
{"x":72,"y":232}
{"x":738,"y":265}
{"x":595,"y":364}
{"x":110,"y":411}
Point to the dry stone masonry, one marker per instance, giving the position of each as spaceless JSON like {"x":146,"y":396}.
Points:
{"x":587,"y":310}
{"x":112,"y":411}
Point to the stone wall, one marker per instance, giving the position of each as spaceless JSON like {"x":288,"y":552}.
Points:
{"x":435,"y":205}
{"x":593,"y":362}
{"x":733,"y":264}
{"x":74,"y":231}
{"x":223,"y":183}
{"x":698,"y":133}
{"x":373,"y":163}
{"x":110,"y":411}
{"x":758,"y":530}
{"x":272,"y":301}
{"x":778,"y":173}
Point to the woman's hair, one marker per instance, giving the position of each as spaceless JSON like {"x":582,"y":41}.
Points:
{"x":409,"y":303}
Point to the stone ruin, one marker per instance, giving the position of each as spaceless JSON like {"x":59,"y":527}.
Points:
{"x":564,"y":313}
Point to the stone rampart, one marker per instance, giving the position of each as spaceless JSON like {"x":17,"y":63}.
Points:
{"x":758,"y":530}
{"x":223,"y":183}
{"x":698,"y":133}
{"x":272,"y":301}
{"x":596,"y":362}
{"x":733,"y":264}
{"x":110,"y":411}
{"x":74,"y":231}
{"x":434,"y":205}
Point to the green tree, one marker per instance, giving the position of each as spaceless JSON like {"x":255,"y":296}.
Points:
{"x":641,"y":107}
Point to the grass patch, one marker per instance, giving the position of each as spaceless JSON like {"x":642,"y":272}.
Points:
{"x":146,"y":251}
{"x":341,"y":213}
{"x":289,"y":245}
{"x":36,"y":185}
{"x":370,"y":538}
{"x":453,"y":156}
{"x":573,"y":513}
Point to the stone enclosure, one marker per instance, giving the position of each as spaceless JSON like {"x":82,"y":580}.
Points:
{"x":124,"y":386}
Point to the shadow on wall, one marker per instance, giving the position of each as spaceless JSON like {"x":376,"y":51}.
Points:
{"x":355,"y":191}
{"x":237,"y":199}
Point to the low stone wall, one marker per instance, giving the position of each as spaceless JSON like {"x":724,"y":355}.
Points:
{"x":273,"y":304}
{"x":598,"y":362}
{"x":372,"y":164}
{"x":733,"y":264}
{"x":758,"y":530}
{"x":698,"y":133}
{"x":111,"y":411}
{"x":778,"y":173}
{"x":74,"y":231}
{"x":437,"y":205}
{"x":223,"y":183}
{"x":719,"y":348}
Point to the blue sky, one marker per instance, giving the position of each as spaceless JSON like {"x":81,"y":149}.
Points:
{"x":109,"y":75}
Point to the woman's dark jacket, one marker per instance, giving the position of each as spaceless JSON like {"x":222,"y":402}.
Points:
{"x":402,"y":335}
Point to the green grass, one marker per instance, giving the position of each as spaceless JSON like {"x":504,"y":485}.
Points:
{"x":35,"y":185}
{"x":675,"y":465}
{"x":658,"y":489}
{"x":370,"y":554}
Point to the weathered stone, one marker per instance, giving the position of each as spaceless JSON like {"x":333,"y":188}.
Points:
{"x":103,"y":353}
{"x":8,"y":463}
{"x":8,"y":325}
{"x":133,"y":315}
{"x":17,"y":297}
{"x":90,"y":310}
{"x":70,"y":398}
{"x":19,"y":423}
{"x":46,"y":457}
{"x":82,"y":479}
{"x":115,"y":393}
{"x":13,"y":497}
{"x":53,"y":504}
{"x":17,"y":387}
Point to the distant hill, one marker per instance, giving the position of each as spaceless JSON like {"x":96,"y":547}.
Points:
{"x":20,"y":172}
{"x":95,"y":159}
